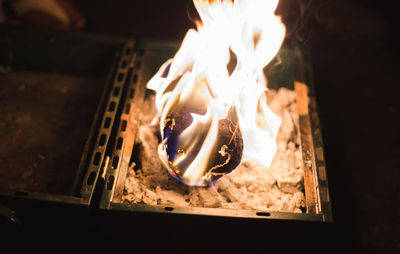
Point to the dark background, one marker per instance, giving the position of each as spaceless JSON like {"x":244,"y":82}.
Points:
{"x":354,"y":47}
{"x":355,"y":55}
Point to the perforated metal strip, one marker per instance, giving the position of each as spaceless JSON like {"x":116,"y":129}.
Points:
{"x":107,"y":123}
{"x":125,"y":136}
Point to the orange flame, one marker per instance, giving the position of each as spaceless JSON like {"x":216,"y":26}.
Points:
{"x":218,"y":68}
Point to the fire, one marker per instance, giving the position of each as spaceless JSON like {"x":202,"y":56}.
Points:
{"x":211,"y":98}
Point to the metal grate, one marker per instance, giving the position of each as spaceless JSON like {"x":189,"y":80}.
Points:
{"x":98,"y":161}
{"x":144,"y":62}
{"x":134,"y":94}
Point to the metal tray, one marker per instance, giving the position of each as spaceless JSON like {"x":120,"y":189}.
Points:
{"x":291,"y":68}
{"x":55,"y":86}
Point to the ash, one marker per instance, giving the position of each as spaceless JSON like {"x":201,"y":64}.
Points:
{"x":250,"y":186}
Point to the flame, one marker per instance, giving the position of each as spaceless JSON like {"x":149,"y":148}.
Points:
{"x":210,"y":97}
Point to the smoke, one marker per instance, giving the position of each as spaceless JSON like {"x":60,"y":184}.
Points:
{"x":297,"y":16}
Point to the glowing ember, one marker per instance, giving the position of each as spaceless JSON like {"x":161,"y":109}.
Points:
{"x":211,"y":96}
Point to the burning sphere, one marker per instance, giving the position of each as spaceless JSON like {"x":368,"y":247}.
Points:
{"x":225,"y":154}
{"x":210,"y":97}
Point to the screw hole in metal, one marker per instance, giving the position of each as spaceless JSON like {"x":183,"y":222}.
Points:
{"x":102,"y":140}
{"x":265,"y":214}
{"x":115,"y":162}
{"x":119,"y":143}
{"x":91,"y":178}
{"x":96,"y":160}
{"x":124,"y":63}
{"x":123,"y":125}
{"x":128,"y":108}
{"x":131,"y":93}
{"x":111,"y":107}
{"x":116,"y":91}
{"x":120,"y":77}
{"x":107,"y":123}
